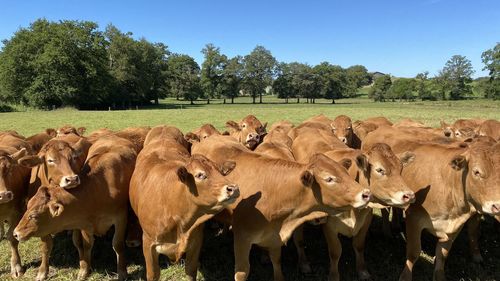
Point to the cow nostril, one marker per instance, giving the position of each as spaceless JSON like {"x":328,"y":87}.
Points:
{"x":366,"y":195}
{"x":16,"y":236}
{"x":495,"y":208}
{"x":408,"y":196}
{"x":229,"y":188}
{"x":447,"y":134}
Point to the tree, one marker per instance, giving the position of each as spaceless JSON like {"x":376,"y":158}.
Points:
{"x":458,"y":71}
{"x":258,"y":72}
{"x":423,"y":86}
{"x":402,"y":88}
{"x":357,"y":77}
{"x":333,"y":81}
{"x":184,"y":77}
{"x":211,"y":71}
{"x":231,"y":78}
{"x":491,"y":60}
{"x":56,"y":64}
{"x":379,"y":90}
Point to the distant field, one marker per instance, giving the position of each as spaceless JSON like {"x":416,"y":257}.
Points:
{"x":385,"y":258}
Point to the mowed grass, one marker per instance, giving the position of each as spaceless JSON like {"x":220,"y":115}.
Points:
{"x":384,"y":257}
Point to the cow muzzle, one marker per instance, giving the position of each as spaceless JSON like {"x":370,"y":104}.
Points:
{"x":343,"y":139}
{"x":6,"y":196}
{"x":252,"y":140}
{"x":18,"y":236}
{"x":229,"y":194}
{"x":362,"y":198}
{"x":68,"y":182}
{"x":492,"y":208}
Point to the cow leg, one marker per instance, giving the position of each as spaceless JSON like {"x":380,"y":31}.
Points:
{"x":298,"y":239}
{"x":87,"y":243}
{"x":386,"y":225}
{"x":119,"y":247}
{"x":46,"y":248}
{"x":16,"y":270}
{"x":413,"y":247}
{"x":442,"y":250}
{"x":241,"y":259}
{"x":358,"y":243}
{"x":193,"y":253}
{"x":275,"y":255}
{"x":151,"y":258}
{"x":334,"y":249}
{"x":76,"y":237}
{"x":473,"y":232}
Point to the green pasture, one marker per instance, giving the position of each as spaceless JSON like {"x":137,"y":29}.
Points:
{"x":385,"y":257}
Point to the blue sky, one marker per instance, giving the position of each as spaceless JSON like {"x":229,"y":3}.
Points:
{"x":400,"y":37}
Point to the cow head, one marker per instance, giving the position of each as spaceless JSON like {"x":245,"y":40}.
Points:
{"x":8,"y":163}
{"x":383,"y":168}
{"x":42,"y":214}
{"x":68,"y":129}
{"x":342,"y":128}
{"x":332,"y":185}
{"x":204,"y":132}
{"x":481,"y":163}
{"x":207,"y":183}
{"x":60,"y":162}
{"x":248,"y":131}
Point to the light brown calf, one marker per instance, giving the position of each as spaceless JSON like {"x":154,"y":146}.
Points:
{"x":249,"y":131}
{"x":97,"y":204}
{"x":173,"y":194}
{"x":277,"y":196}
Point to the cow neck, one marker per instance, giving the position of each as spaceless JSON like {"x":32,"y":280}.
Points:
{"x":308,"y":209}
{"x":458,"y":188}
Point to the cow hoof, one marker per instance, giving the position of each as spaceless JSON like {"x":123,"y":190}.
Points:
{"x":82,"y":274}
{"x":41,"y":276}
{"x":17,"y":271}
{"x":364,"y":275}
{"x":477,"y":258}
{"x":305,"y":268}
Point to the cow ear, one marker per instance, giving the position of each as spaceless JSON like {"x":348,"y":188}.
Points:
{"x":18,"y":155}
{"x":183,"y":174}
{"x":346,"y":163}
{"x":81,"y":131}
{"x":82,"y":146}
{"x":227,"y":167}
{"x":30,"y":161}
{"x":307,"y":178}
{"x":333,"y":126}
{"x":406,"y":158}
{"x":458,"y":162}
{"x":443,"y":124}
{"x":51,"y":132}
{"x":191,"y":138}
{"x":55,"y":209}
{"x":362,"y":162}
{"x":264,"y":127}
{"x":231,"y":125}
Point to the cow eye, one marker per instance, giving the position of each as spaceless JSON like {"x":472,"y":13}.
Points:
{"x":330,"y":179}
{"x":244,"y":125}
{"x":380,"y":171}
{"x":457,"y":134}
{"x":201,"y":176}
{"x":51,"y":161}
{"x":32,"y":216}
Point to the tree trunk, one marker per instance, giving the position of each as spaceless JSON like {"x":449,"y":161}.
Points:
{"x":253,"y":98}
{"x":224,"y":100}
{"x":208,"y":100}
{"x":232,"y":99}
{"x":298,"y":100}
{"x":157,"y":102}
{"x":333,"y":101}
{"x":286,"y":100}
{"x":260,"y":98}
{"x":192,"y":102}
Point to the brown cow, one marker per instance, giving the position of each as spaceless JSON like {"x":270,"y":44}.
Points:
{"x":461,"y":128}
{"x":14,"y":180}
{"x":68,"y":130}
{"x":407,"y":122}
{"x":490,"y":128}
{"x":460,"y":181}
{"x":277,"y":196}
{"x":99,"y":203}
{"x":38,"y":140}
{"x":379,"y":169}
{"x":249,"y":131}
{"x":277,"y":144}
{"x":173,"y":194}
{"x":342,"y":128}
{"x":379,"y":121}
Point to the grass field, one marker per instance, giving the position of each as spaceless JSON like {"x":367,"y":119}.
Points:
{"x":384,"y":257}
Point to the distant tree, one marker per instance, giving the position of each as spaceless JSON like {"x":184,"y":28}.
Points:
{"x":402,"y":89}
{"x":458,"y":70}
{"x":358,"y":76}
{"x":423,"y":86}
{"x":231,"y":78}
{"x":211,"y":71}
{"x":491,"y":59}
{"x":380,"y":87}
{"x":258,"y":71}
{"x":56,"y":64}
{"x":333,"y":81}
{"x":184,"y":77}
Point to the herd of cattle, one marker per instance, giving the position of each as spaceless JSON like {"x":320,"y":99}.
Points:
{"x":263,"y":185}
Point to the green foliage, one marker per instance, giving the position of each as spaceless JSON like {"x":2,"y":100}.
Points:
{"x":402,"y":89}
{"x":380,"y":88}
{"x":231,"y":78}
{"x":212,"y":71}
{"x":184,"y":77}
{"x":457,"y":75}
{"x":491,"y":59}
{"x":258,"y":72}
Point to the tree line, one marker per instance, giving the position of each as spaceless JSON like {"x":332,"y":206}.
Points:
{"x":73,"y":63}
